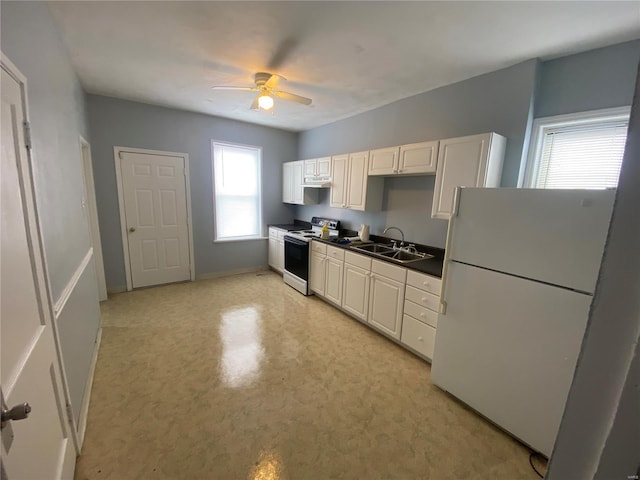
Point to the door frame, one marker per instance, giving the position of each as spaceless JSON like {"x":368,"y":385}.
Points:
{"x":39,"y":265}
{"x":123,"y":223}
{"x":92,"y":215}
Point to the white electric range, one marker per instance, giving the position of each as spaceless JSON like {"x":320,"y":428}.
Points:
{"x":296,"y":252}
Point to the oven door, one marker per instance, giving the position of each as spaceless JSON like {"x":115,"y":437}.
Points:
{"x":296,"y":257}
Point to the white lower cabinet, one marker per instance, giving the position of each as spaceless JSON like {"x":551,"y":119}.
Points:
{"x":333,"y":287}
{"x":276,"y":248}
{"x":418,"y":336}
{"x":403,"y":304}
{"x":421,"y":304}
{"x":326,"y":267}
{"x":386,"y":297}
{"x":355,"y":292}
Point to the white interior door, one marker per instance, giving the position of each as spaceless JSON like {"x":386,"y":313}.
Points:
{"x":154,"y":193}
{"x":39,"y":446}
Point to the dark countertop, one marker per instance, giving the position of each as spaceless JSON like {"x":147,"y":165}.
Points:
{"x":292,"y":227}
{"x":430,"y":266}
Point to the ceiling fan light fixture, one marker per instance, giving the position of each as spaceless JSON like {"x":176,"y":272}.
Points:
{"x":265,"y":101}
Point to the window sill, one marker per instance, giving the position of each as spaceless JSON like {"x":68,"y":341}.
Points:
{"x":231,"y":240}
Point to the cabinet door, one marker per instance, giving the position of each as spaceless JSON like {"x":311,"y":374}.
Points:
{"x":310,"y":169}
{"x":339,"y":181}
{"x":358,"y":168}
{"x":280,"y":257}
{"x":298,"y":179}
{"x":273,"y":252}
{"x":384,"y":161}
{"x":386,"y":302}
{"x":355,"y":294}
{"x":462,"y":162}
{"x":323,"y":166}
{"x":317,"y":273}
{"x":287,"y":182}
{"x":333,"y":286}
{"x":418,"y":158}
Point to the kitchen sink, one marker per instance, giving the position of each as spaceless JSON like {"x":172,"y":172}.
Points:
{"x":374,"y":248}
{"x":402,"y":256}
{"x":398,"y":256}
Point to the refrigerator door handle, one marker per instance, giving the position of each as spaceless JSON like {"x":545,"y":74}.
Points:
{"x":447,"y":250}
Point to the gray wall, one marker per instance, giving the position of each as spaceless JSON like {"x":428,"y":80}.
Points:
{"x":495,"y":102}
{"x":601,"y":78}
{"x":599,"y":435}
{"x":56,"y":108}
{"x":129,"y":124}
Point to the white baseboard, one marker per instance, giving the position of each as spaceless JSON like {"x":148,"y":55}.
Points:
{"x":84,"y":410}
{"x":228,"y":273}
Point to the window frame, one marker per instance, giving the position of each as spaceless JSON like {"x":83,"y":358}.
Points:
{"x":260,"y":235}
{"x":543,"y":124}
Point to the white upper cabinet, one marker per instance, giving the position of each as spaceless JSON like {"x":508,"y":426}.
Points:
{"x":338,"y":197}
{"x":384,"y":161}
{"x":411,"y":159}
{"x":473,"y":161}
{"x":350,"y":187}
{"x":317,"y":167}
{"x":418,"y":158}
{"x":287,"y":182}
{"x":293,"y":190}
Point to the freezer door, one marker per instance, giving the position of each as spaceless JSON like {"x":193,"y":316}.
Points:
{"x":555,"y":236}
{"x":508,"y":347}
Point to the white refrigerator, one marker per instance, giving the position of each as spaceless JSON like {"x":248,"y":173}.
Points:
{"x":520,"y":270}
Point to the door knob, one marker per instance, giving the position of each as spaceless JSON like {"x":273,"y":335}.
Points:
{"x":132,"y":229}
{"x":19,"y":412}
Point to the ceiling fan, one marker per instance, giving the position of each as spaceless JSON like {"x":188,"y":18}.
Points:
{"x":267,"y":88}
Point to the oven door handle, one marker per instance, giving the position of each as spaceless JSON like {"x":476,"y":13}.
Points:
{"x":294,"y":241}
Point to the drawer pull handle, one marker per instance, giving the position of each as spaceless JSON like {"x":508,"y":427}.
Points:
{"x":422,"y":314}
{"x":424,"y":299}
{"x":419,"y":339}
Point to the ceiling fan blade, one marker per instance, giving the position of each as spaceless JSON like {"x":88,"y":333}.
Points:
{"x":292,"y":97}
{"x":284,"y":50}
{"x":254,"y":105}
{"x":225,"y":87}
{"x":273,"y":81}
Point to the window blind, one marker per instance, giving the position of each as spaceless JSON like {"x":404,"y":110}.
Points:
{"x":584,"y":156}
{"x":237,"y":192}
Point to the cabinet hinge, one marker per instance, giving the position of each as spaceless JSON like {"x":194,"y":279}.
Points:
{"x":120,"y":155}
{"x":443,"y":308}
{"x":27,"y":135}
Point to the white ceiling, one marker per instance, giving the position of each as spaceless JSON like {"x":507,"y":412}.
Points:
{"x":349,"y":57}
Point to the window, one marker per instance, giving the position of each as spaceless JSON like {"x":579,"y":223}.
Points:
{"x":236,"y":187}
{"x":581,"y":150}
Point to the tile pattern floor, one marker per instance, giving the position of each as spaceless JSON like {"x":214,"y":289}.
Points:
{"x":244,"y":378}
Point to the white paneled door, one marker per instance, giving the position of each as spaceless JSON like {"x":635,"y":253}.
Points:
{"x":154,"y":193}
{"x":40,"y":445}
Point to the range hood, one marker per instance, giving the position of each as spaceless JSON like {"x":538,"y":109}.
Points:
{"x":317,"y":182}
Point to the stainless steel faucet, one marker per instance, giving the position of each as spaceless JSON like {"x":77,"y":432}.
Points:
{"x":395,"y":228}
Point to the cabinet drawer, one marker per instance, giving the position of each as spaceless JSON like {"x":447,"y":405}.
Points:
{"x":424,"y":282}
{"x":335,"y":253}
{"x":318,"y":247}
{"x":273,"y":232}
{"x":424,"y":299}
{"x":398,"y":274}
{"x":420,"y":313}
{"x":357,"y":260}
{"x":419,"y":336}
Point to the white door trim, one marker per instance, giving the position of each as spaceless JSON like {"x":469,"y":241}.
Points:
{"x":40,"y":268}
{"x":92,"y":216}
{"x":123,"y":224}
